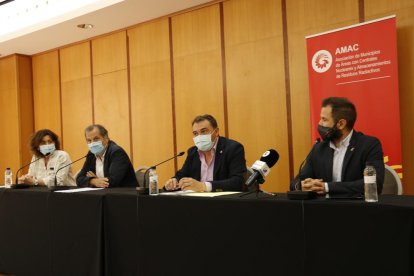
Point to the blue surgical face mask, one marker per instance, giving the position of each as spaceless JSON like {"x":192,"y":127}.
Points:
{"x":96,"y":147}
{"x":47,"y":149}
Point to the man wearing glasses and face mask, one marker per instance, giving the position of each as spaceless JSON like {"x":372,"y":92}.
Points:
{"x":335,"y":166}
{"x":107,"y":164}
{"x":215,"y":163}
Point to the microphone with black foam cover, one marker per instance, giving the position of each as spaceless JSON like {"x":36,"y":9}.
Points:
{"x":261,"y":168}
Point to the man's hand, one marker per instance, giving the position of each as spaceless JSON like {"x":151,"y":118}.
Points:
{"x":319,"y":186}
{"x":99,"y":182}
{"x":172,"y":184}
{"x":188,"y":183}
{"x":316,"y":185}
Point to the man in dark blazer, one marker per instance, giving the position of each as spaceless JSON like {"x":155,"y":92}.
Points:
{"x":107,"y":164}
{"x":335,"y":166}
{"x":214,"y":164}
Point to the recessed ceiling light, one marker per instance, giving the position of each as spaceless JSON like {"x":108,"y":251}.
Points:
{"x":85,"y":26}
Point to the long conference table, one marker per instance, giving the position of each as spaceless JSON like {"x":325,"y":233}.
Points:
{"x":118,"y":232}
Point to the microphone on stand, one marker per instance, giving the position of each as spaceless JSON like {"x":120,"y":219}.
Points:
{"x":56,"y":187}
{"x":16,"y":185}
{"x":144,"y":189}
{"x":261,"y":168}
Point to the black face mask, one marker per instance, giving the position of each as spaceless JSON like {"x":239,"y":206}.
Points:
{"x":328,"y":133}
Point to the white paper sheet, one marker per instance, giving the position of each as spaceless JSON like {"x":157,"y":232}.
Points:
{"x":78,"y":190}
{"x":192,"y":193}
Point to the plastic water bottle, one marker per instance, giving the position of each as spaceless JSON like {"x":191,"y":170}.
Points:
{"x":8,"y":178}
{"x":153,"y":182}
{"x":370,"y":183}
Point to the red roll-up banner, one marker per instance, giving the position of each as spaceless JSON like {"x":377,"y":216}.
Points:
{"x":359,"y":62}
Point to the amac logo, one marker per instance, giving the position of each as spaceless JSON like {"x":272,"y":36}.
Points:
{"x":321,"y":61}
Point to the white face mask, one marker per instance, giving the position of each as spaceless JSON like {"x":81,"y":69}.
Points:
{"x":203,"y":142}
{"x":47,"y":149}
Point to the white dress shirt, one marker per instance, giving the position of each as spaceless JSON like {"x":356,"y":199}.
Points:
{"x":99,"y":165}
{"x":338,"y":159}
{"x":57,"y":159}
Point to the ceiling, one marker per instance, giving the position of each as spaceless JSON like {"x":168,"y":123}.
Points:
{"x":112,"y":18}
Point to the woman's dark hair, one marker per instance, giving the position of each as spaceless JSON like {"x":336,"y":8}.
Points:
{"x":37,"y":139}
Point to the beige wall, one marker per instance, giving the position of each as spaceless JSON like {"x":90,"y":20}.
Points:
{"x":244,"y":61}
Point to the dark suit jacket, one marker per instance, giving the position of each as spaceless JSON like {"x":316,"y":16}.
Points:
{"x":229,"y":166}
{"x":361,"y":149}
{"x":117,"y":168}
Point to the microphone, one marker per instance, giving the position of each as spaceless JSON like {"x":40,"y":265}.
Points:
{"x":154,"y":166}
{"x":56,"y":187}
{"x":175,"y":156}
{"x":34,"y":161}
{"x":297,"y":181}
{"x":262,"y":167}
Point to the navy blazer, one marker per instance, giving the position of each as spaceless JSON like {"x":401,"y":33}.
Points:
{"x":362,"y":148}
{"x":229,"y":166}
{"x":117,"y":168}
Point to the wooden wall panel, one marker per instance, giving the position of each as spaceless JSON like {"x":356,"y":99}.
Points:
{"x":197,"y":71}
{"x":151,"y":108}
{"x":404,"y":11}
{"x":16,"y":105}
{"x":76,"y":98}
{"x":307,"y":18}
{"x":9,"y":123}
{"x":75,"y":62}
{"x":25,"y":110}
{"x":109,"y":53}
{"x":8,"y":74}
{"x":111,"y":87}
{"x":46,"y":92}
{"x":111,"y":106}
{"x":255,"y":83}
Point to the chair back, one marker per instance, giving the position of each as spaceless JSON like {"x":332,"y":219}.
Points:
{"x":392,"y":182}
{"x":139,"y":174}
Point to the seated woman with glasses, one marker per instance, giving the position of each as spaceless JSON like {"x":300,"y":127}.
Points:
{"x":47,"y":160}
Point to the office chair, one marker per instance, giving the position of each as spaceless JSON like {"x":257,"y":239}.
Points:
{"x":139,"y":173}
{"x":392,"y":182}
